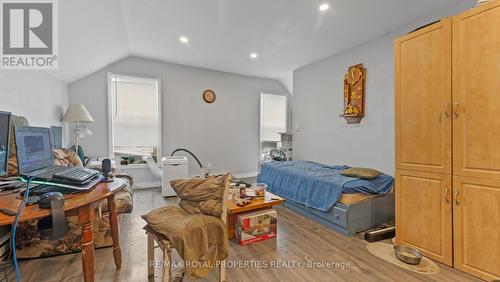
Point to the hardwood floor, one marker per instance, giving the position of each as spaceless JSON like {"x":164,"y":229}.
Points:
{"x":299,"y":240}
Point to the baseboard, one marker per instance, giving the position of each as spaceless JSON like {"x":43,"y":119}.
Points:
{"x":237,"y":175}
{"x":153,"y":184}
{"x":246,"y":175}
{"x":146,"y":185}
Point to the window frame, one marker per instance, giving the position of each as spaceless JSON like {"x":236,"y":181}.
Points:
{"x":111,"y":153}
{"x":287,"y":116}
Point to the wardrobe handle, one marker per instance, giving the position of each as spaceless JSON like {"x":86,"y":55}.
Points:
{"x":456,"y":198}
{"x":446,"y":110}
{"x":455,"y":109}
{"x":446,"y":195}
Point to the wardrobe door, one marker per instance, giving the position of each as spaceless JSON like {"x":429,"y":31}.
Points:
{"x":424,"y":213}
{"x":476,"y":92}
{"x":476,"y":223}
{"x":423,"y":99}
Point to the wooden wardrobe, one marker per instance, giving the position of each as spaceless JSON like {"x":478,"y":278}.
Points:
{"x":448,"y":140}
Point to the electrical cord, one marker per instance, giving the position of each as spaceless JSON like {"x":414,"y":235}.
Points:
{"x":14,"y":228}
{"x":7,"y":268}
{"x":189,"y":152}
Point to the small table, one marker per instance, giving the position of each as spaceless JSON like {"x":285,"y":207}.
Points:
{"x":233,"y":210}
{"x":83,"y":205}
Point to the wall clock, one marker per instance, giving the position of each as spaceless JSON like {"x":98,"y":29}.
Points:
{"x":354,"y":94}
{"x":209,"y":96}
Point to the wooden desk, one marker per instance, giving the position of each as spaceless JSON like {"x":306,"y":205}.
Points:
{"x":257,"y":204}
{"x":84,"y":206}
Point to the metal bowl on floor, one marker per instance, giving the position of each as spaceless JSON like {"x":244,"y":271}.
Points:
{"x":408,"y":254}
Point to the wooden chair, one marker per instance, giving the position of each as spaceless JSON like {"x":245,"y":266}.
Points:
{"x":166,"y":246}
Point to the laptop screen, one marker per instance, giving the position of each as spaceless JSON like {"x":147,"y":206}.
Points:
{"x":33,"y":148}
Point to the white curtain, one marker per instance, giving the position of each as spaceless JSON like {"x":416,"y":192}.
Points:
{"x":135,"y":112}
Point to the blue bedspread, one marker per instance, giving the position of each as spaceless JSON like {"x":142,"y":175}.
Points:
{"x":316,"y":185}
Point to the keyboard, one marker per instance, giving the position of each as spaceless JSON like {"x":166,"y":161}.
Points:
{"x":77,"y":174}
{"x":48,"y":172}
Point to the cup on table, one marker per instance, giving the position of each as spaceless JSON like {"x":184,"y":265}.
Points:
{"x":260,"y":189}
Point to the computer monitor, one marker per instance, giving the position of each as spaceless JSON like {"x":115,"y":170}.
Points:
{"x":4,"y":142}
{"x":56,"y":137}
{"x":33,"y":148}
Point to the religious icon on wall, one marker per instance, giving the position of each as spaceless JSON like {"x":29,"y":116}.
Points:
{"x":354,"y":94}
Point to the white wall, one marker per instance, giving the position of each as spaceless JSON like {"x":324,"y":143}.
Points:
{"x":36,"y":95}
{"x":225,"y":133}
{"x":318,"y":100}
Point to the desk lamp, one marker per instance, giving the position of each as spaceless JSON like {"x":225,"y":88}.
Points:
{"x":78,"y":114}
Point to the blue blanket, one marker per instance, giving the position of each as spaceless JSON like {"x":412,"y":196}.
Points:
{"x":316,"y":185}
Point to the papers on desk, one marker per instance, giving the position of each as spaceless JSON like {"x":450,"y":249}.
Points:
{"x":7,"y":183}
{"x":8,"y":180}
{"x":10,"y":183}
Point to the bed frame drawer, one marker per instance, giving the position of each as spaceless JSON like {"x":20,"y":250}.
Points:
{"x":337,"y":215}
{"x":353,"y":218}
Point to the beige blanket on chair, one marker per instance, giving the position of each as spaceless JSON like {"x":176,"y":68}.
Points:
{"x":199,"y":237}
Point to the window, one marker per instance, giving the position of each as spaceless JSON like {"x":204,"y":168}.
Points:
{"x":273,"y":120}
{"x":134,"y":117}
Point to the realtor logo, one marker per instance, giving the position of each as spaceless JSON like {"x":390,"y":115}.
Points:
{"x":29,"y":34}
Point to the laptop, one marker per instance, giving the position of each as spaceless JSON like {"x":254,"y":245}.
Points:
{"x":34,"y":158}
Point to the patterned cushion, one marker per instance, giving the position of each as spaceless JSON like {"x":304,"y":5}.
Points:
{"x":66,"y":157}
{"x":30,"y":244}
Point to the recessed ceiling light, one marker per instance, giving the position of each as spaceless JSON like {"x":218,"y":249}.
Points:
{"x":323,"y":7}
{"x":183,"y":39}
{"x":253,"y":55}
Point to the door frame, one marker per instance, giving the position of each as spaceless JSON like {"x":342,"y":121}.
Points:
{"x":287,"y":115}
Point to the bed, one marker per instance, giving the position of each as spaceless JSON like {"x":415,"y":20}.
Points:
{"x":348,"y":205}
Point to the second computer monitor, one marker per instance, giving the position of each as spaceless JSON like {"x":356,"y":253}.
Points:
{"x":4,"y":141}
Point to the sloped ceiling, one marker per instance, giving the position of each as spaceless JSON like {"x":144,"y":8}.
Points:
{"x":286,"y":34}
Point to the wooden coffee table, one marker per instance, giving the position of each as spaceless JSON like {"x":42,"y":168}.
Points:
{"x":233,"y":210}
